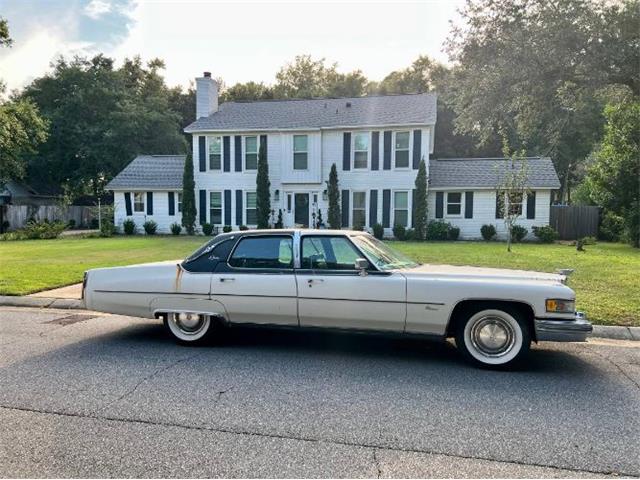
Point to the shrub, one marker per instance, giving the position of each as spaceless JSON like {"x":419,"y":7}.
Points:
{"x":34,"y":230}
{"x":438,"y":230}
{"x":129,"y":226}
{"x":94,"y":223}
{"x":279,"y":223}
{"x":453,"y":233}
{"x":226,"y":228}
{"x":150,"y":227}
{"x":207,"y":229}
{"x":176,"y":228}
{"x":5,"y":226}
{"x":378,"y":231}
{"x":589,"y":241}
{"x":545,"y":234}
{"x":399,"y":231}
{"x":611,"y":227}
{"x":243,"y":228}
{"x":358,"y":226}
{"x":518,"y":232}
{"x":71,"y":224}
{"x":107,"y":228}
{"x":410,"y":234}
{"x":488,"y":232}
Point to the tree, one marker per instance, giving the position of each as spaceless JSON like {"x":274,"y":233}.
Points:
{"x":188,"y":196}
{"x":613,"y":180}
{"x":420,"y":205}
{"x":513,"y":175}
{"x":333,"y":192}
{"x":541,"y":72}
{"x":101,"y":118}
{"x":246,"y":92}
{"x":263,"y":194}
{"x":22,"y":128}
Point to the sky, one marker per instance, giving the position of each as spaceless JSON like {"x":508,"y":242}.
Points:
{"x":236,"y":41}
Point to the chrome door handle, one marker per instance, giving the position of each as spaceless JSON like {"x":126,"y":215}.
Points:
{"x":222,"y":279}
{"x":314,"y":280}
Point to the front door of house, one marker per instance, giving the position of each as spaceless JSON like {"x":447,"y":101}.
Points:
{"x":301,"y":209}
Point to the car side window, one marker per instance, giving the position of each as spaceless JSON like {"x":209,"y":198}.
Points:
{"x":328,"y":253}
{"x":206,"y":261}
{"x":274,"y":252}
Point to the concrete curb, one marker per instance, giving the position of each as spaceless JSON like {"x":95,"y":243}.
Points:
{"x":599,"y":331}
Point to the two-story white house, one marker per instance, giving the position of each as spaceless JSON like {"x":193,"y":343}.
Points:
{"x":376,"y":143}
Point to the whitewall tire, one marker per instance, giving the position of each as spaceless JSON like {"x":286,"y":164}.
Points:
{"x":494,"y":337}
{"x":189,"y":327}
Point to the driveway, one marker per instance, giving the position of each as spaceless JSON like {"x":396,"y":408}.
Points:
{"x":88,"y":395}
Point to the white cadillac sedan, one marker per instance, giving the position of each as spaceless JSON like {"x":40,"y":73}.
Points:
{"x":344,"y":280}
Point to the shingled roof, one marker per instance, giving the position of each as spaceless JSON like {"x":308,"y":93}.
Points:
{"x":158,"y":172}
{"x":419,"y":109}
{"x":485,"y":172}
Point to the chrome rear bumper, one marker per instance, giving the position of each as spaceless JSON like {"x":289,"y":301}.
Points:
{"x":560,"y":330}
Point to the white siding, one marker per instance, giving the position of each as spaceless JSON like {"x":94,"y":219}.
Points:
{"x":160,"y":211}
{"x":484,"y":212}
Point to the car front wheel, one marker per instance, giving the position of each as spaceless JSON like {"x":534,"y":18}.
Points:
{"x":494,"y":337}
{"x":189,"y":328}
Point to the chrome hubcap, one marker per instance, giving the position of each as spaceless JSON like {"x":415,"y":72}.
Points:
{"x":188,"y":322}
{"x":492,"y":336}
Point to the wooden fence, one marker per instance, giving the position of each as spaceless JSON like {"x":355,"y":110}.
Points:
{"x":573,"y":221}
{"x":18,"y":215}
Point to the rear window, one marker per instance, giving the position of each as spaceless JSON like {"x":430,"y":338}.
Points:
{"x":273,"y":252}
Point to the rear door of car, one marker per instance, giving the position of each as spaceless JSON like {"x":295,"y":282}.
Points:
{"x":332,"y":293}
{"x":257,"y":284}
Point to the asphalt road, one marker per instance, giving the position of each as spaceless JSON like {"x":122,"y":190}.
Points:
{"x":111,"y":396}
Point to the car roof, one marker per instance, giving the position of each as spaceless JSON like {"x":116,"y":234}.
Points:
{"x":290,"y":231}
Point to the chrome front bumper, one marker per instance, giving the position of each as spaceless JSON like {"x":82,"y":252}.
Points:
{"x":560,"y":330}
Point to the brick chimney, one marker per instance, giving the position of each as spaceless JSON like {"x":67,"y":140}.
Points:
{"x":206,"y":95}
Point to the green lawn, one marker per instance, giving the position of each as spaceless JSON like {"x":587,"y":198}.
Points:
{"x":606,"y":280}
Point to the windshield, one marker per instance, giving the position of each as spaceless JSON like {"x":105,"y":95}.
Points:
{"x":383,"y":257}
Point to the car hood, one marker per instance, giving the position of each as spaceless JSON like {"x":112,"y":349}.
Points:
{"x":480,"y":273}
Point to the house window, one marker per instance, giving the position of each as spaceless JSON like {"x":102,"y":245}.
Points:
{"x":515,"y":203}
{"x":215,"y":208}
{"x":179,"y":202}
{"x":138,"y":202}
{"x":402,"y":149}
{"x":401,"y":208}
{"x":454,"y":203}
{"x":276,"y":196}
{"x":300,"y":154}
{"x":251,"y":212}
{"x":359,"y":209}
{"x":215,"y":153}
{"x":251,"y":153}
{"x":288,"y":202}
{"x":361,"y":150}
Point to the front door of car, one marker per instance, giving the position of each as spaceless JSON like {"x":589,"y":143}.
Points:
{"x":257,"y":284}
{"x":332,"y":293}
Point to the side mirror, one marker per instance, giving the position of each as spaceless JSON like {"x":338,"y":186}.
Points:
{"x":362,"y":264}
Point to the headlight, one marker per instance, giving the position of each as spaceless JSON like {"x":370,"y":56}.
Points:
{"x":556,"y":305}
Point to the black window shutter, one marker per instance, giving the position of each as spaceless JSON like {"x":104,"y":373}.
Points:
{"x":203,"y":206}
{"x":386,"y":163}
{"x":373,"y":207}
{"x":149,"y":203}
{"x":239,"y":207}
{"x":227,"y":207}
{"x":345,"y":208}
{"x":202,"y":153}
{"x":531,"y":205}
{"x":226,"y":153}
{"x":386,"y":208}
{"x":417,"y":148}
{"x":468,"y":204}
{"x":346,"y":151}
{"x":172,"y":203}
{"x":375,"y":150}
{"x":238,"y":152}
{"x":127,"y":203}
{"x":413,"y":207}
{"x":439,"y":204}
{"x":499,"y":206}
{"x":263,"y":145}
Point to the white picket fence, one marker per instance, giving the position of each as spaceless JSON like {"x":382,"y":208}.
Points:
{"x":18,"y":215}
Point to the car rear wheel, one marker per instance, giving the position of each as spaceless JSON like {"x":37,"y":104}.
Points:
{"x":494,"y":337}
{"x":189,"y":328}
